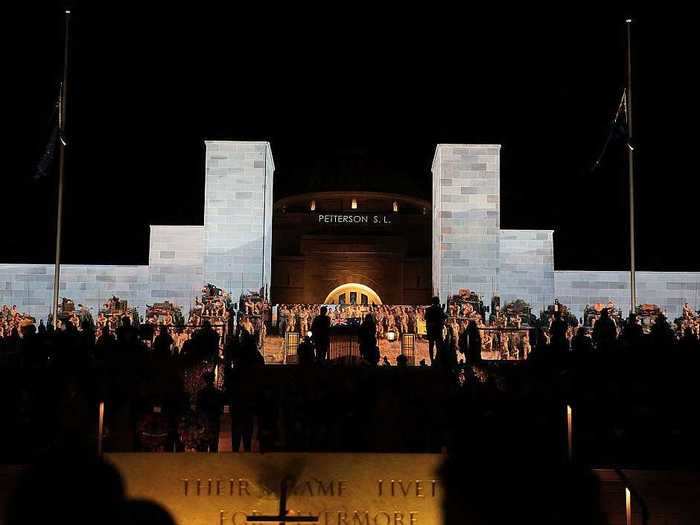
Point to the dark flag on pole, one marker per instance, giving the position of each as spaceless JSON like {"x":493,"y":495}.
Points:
{"x":618,"y":129}
{"x":43,"y":167}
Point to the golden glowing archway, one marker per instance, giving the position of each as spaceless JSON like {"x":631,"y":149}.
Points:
{"x":353,"y":293}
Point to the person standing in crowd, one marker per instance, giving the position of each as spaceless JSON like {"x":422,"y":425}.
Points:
{"x":105,"y":343}
{"x":282,"y":323}
{"x":581,"y":343}
{"x":206,"y":343}
{"x":163,"y":343}
{"x":368,"y":340}
{"x":605,"y":332}
{"x":242,"y":402}
{"x":303,"y":321}
{"x":435,"y":322}
{"x":305,"y":352}
{"x":320,"y":332}
{"x":689,"y":342}
{"x":126,"y":333}
{"x":247,"y":325}
{"x":632,"y":334}
{"x":209,"y":404}
{"x":559,"y":342}
{"x":661,"y":333}
{"x":470,"y":343}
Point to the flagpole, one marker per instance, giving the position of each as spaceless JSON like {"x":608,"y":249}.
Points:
{"x":630,"y":164}
{"x":61,"y":164}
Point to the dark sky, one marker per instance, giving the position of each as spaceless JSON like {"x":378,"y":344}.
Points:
{"x":352,"y":98}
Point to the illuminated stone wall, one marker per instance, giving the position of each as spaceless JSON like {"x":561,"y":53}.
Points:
{"x":174,"y":273}
{"x":238,"y":214}
{"x":470,"y":250}
{"x":669,"y":290}
{"x":527,"y":267}
{"x":466,"y":218}
{"x":232,"y":250}
{"x":30,"y":286}
{"x":176,"y":264}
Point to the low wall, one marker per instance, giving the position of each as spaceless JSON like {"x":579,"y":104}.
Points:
{"x":30,"y":286}
{"x":669,"y":290}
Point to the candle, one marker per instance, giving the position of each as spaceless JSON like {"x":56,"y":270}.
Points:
{"x":569,"y":432}
{"x":100,"y":426}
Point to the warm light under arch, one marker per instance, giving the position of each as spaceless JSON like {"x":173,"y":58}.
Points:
{"x":372,"y":296}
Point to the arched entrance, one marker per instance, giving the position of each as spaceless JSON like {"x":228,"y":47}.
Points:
{"x":352,"y":293}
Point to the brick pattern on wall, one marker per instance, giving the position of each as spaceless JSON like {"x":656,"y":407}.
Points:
{"x":267,"y":217}
{"x":466,"y":218}
{"x":30,"y":286}
{"x":232,"y":250}
{"x":176,"y":264}
{"x":669,"y":290}
{"x":527,"y":267}
{"x":238,"y":214}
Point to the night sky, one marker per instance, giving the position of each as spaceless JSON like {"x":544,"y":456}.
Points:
{"x":350,"y":99}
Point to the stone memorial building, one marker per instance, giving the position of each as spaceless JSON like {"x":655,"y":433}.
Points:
{"x":345,"y":246}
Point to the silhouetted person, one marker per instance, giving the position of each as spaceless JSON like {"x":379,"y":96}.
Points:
{"x":689,"y":341}
{"x":163,"y":343}
{"x":605,"y":332}
{"x":434,"y":323}
{"x":126,"y":334}
{"x":206,"y":343}
{"x":210,"y":402}
{"x":99,"y":499}
{"x":105,"y":344}
{"x":87,"y":334}
{"x":242,"y":416}
{"x":32,"y":349}
{"x":248,"y":354}
{"x":320,"y":332}
{"x":368,"y":340}
{"x":632,"y":333}
{"x":12,"y":340}
{"x":540,"y":340}
{"x":661,"y":334}
{"x":557,"y":332}
{"x":305,"y":352}
{"x":470,"y":343}
{"x":447,"y":354}
{"x":581,"y":343}
{"x":69,"y":353}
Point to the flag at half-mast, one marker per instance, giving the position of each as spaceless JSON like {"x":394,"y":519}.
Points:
{"x":618,"y":128}
{"x":43,"y":167}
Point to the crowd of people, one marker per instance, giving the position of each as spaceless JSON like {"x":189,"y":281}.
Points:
{"x":12,"y":321}
{"x":162,"y":398}
{"x":511,"y":332}
{"x":396,"y":319}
